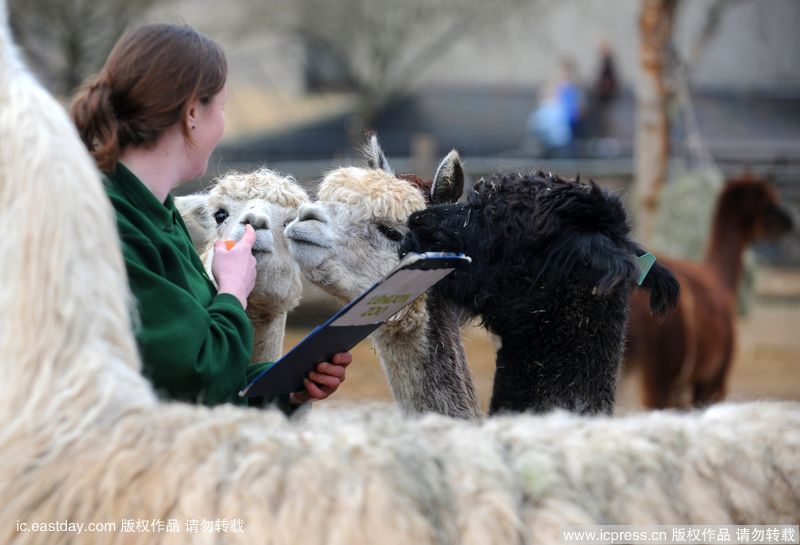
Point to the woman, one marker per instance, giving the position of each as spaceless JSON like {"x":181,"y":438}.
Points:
{"x":151,"y":119}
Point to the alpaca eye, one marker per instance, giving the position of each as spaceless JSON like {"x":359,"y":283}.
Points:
{"x":220,"y":215}
{"x":390,"y":232}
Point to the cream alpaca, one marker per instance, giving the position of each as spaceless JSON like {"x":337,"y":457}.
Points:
{"x":267,"y":201}
{"x":83,"y":438}
{"x":348,"y":240}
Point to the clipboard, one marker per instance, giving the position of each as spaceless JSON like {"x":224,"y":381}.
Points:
{"x":412,"y":277}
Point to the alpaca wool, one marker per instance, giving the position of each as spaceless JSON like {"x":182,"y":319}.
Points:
{"x":374,"y":193}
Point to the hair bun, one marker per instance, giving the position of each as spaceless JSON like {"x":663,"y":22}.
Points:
{"x":99,"y":93}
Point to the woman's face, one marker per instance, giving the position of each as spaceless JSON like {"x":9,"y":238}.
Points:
{"x":208,"y":121}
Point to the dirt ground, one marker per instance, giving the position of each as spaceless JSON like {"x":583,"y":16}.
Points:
{"x":767,"y":363}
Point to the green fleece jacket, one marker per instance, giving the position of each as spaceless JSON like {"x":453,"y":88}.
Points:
{"x":195,"y":343}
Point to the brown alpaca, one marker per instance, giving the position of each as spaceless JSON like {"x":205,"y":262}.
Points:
{"x":685,"y":357}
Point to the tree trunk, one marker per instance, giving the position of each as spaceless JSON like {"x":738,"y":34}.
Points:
{"x":652,"y":121}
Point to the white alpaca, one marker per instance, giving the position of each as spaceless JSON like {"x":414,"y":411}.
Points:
{"x":348,"y":240}
{"x":267,"y":201}
{"x":83,"y":438}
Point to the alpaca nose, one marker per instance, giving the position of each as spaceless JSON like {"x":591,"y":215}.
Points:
{"x":258,"y":221}
{"x":309,"y":212}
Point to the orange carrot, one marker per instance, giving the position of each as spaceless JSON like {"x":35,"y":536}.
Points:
{"x":229,"y":244}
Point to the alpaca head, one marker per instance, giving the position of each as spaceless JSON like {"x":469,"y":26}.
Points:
{"x":268,"y":202}
{"x":350,"y":237}
{"x":757,"y":208}
{"x":527,"y":233}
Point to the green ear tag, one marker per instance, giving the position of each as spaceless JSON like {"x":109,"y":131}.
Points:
{"x":645,"y":263}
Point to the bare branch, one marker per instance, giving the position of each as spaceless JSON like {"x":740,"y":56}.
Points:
{"x":384,"y":45}
{"x":714,"y":17}
{"x":66,"y":40}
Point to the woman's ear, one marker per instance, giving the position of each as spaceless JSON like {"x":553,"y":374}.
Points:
{"x":192,"y":113}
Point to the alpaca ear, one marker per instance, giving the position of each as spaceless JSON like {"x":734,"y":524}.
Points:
{"x":375,"y":157}
{"x":663,"y":287}
{"x":194,"y":211}
{"x":448,"y":182}
{"x":613,"y":265}
{"x":193,"y":207}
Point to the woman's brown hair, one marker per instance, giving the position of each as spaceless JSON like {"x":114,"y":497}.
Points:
{"x":148,"y":82}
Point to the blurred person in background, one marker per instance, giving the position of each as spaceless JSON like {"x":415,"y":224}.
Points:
{"x":549,"y":122}
{"x":558,"y":119}
{"x":570,"y":95}
{"x":604,"y":91}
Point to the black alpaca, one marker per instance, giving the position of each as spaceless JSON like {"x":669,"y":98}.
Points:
{"x":552,"y":272}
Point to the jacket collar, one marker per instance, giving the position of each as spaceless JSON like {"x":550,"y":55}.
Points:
{"x":161,"y":214}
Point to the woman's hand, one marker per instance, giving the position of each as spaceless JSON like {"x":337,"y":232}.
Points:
{"x":321,"y":383}
{"x":235,"y":269}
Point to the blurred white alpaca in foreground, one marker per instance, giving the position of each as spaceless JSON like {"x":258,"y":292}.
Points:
{"x":84,"y":439}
